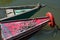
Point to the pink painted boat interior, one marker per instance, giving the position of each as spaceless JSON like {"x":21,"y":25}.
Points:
{"x":9,"y":29}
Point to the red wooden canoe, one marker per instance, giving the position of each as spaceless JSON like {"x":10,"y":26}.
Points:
{"x":21,"y":28}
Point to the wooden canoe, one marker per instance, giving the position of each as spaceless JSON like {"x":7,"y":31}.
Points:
{"x":17,"y":12}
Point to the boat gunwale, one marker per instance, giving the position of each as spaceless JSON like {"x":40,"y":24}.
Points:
{"x":24,"y":19}
{"x":13,"y":7}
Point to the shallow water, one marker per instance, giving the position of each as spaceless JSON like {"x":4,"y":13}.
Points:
{"x":46,"y":35}
{"x":51,"y":5}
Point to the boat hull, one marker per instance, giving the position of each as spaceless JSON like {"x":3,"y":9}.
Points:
{"x":22,"y":15}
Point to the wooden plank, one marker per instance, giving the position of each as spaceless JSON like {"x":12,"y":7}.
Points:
{"x":9,"y":12}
